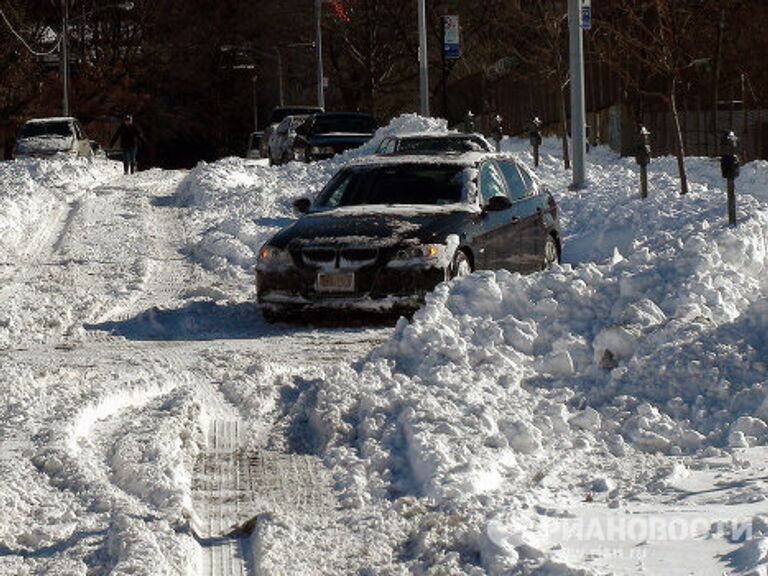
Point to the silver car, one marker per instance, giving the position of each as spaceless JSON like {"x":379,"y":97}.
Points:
{"x":44,"y":137}
{"x":280,"y":145}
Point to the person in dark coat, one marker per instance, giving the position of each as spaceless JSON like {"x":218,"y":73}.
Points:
{"x":129,"y":137}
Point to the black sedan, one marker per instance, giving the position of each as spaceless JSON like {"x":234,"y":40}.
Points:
{"x":387,"y":230}
{"x":324,"y":135}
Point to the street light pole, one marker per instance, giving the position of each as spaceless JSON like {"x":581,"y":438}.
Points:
{"x":423,"y":62}
{"x":280,"y":76}
{"x":319,"y":53}
{"x":255,"y":103}
{"x":65,"y":54}
{"x":578,"y":112}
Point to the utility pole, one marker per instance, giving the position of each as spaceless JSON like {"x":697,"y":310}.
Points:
{"x":65,"y":54}
{"x":280,"y":75}
{"x":255,"y":103}
{"x":578,"y":112}
{"x":423,"y":61}
{"x":319,"y":53}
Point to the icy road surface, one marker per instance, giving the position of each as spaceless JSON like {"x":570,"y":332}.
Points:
{"x":141,"y":427}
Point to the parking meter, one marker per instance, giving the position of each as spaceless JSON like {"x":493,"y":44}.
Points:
{"x":643,"y":158}
{"x":497,"y":129}
{"x":534,"y":135}
{"x":469,"y":122}
{"x":643,"y":147}
{"x":729,"y":166}
{"x":729,"y":161}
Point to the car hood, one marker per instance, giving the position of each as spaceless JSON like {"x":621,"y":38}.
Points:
{"x":374,"y":226}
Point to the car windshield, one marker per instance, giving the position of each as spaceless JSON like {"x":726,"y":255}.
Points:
{"x":438,"y":145}
{"x":34,"y":129}
{"x":432,"y":185}
{"x":350,"y":124}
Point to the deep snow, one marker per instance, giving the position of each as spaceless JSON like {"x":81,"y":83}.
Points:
{"x":608,"y":415}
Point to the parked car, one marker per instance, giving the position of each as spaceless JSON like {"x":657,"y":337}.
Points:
{"x":97,"y":150}
{"x":48,"y":136}
{"x":386,"y":230}
{"x":277,"y":115}
{"x":434,"y":143}
{"x":325,"y":135}
{"x":254,"y":145}
{"x":280,"y":145}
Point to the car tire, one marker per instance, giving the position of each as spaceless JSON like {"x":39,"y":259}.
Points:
{"x":460,"y":265}
{"x":551,"y":253}
{"x":270,"y":316}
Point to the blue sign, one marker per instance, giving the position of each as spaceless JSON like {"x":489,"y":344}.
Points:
{"x":586,"y":17}
{"x":451,"y":38}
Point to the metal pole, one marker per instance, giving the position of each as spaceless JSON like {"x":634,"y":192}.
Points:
{"x":280,"y":76}
{"x":731,"y":202}
{"x":578,"y":113}
{"x":423,"y":72}
{"x":255,"y":104}
{"x":319,"y":53}
{"x":445,"y":72}
{"x":65,"y":54}
{"x":643,"y":181}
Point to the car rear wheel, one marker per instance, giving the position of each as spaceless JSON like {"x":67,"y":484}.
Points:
{"x":551,"y":253}
{"x":460,"y":266}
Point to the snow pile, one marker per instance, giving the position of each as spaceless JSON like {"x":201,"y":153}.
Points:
{"x":237,"y":205}
{"x":32,"y":189}
{"x":650,"y":338}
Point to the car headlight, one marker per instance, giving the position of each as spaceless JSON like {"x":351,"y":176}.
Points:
{"x":272,"y":256}
{"x":419,"y":255}
{"x":322,"y":150}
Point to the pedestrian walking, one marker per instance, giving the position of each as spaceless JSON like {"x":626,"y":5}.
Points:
{"x":129,"y":137}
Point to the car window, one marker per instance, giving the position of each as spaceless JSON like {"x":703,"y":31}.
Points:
{"x":530,"y":183}
{"x":350,"y":124}
{"x":282,"y":128}
{"x":384,"y":146}
{"x":516,"y":183}
{"x":56,"y":128}
{"x":420,"y":184}
{"x":491,"y":182}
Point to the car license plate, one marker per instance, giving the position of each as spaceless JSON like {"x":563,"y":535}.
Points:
{"x":340,"y":282}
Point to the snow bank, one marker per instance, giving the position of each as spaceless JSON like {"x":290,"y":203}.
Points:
{"x":31,"y":190}
{"x":650,"y":338}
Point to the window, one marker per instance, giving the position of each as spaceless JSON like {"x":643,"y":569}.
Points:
{"x":422,"y":184}
{"x":519,"y":186}
{"x":491,"y":182}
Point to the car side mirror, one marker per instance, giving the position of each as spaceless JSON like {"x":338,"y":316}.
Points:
{"x":302,"y":205}
{"x":497,"y":204}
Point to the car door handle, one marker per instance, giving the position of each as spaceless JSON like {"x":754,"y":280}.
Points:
{"x":515,"y":219}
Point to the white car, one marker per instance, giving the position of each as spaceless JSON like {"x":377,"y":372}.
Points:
{"x":48,"y":136}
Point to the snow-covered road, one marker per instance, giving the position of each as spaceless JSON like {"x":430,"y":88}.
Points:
{"x":606,"y":416}
{"x":134,"y":409}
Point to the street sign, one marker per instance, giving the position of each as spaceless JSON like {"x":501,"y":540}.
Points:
{"x":586,"y":15}
{"x":451,"y":38}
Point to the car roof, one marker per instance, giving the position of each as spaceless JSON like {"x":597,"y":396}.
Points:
{"x":435,"y":135}
{"x":467,"y":159}
{"x":343,"y":115}
{"x":52,"y":119}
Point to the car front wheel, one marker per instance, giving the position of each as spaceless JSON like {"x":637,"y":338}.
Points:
{"x":460,"y":266}
{"x":551,"y":253}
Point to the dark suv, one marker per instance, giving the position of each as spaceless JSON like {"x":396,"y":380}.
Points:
{"x":325,"y":135}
